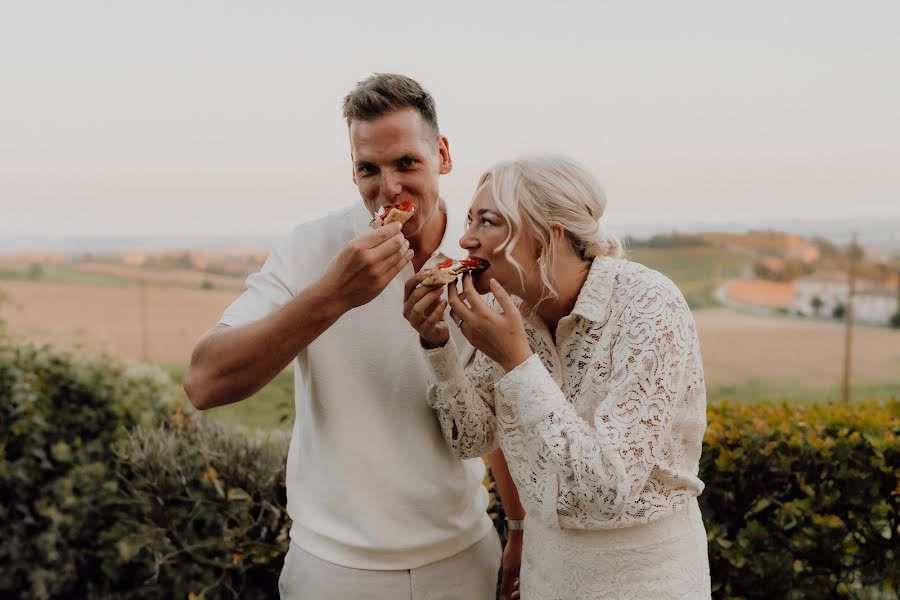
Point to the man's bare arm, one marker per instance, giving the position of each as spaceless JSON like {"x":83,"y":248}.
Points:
{"x":230,"y":364}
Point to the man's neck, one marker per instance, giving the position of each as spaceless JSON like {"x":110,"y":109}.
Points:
{"x":429,"y":238}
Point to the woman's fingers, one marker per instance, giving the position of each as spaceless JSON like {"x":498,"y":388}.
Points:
{"x":503,"y":298}
{"x":458,"y":308}
{"x":472,"y":297}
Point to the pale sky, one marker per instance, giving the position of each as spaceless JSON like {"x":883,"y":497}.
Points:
{"x":170,"y":118}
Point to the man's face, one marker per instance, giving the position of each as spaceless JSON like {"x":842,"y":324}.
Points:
{"x":399,"y":157}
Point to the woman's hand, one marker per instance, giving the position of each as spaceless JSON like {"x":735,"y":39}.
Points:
{"x":424,"y":309}
{"x":501,"y":336}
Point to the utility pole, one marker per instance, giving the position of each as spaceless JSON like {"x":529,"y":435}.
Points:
{"x":142,"y":291}
{"x":848,"y":316}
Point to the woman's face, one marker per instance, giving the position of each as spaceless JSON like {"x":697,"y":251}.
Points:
{"x":486,"y":230}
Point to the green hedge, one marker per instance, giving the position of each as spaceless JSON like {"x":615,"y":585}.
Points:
{"x":802,"y":502}
{"x":60,"y":415}
{"x":111,"y":491}
{"x":208,"y":506}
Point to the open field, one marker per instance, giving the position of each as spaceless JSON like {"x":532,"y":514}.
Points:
{"x":697,"y":270}
{"x":108,"y":318}
{"x":101,"y":273}
{"x":736,"y":347}
{"x":746,"y":358}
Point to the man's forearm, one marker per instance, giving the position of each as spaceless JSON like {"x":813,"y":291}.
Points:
{"x":231,"y":363}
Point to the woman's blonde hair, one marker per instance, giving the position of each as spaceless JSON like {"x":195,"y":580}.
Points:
{"x":535,"y":192}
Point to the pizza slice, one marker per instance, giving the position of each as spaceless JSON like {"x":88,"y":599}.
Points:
{"x":402,"y":211}
{"x":448,"y":269}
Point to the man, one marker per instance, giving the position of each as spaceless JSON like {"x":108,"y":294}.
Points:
{"x":380,"y":507}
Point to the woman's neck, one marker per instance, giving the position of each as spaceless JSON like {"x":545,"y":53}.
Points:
{"x":571,"y":272}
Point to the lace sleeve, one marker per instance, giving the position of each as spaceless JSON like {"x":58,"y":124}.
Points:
{"x":463,"y":400}
{"x":601,"y":468}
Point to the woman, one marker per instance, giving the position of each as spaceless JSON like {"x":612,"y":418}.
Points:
{"x":591,"y":385}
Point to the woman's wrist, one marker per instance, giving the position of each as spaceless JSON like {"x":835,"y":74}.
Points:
{"x":516,"y":359}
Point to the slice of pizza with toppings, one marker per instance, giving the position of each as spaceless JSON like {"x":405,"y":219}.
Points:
{"x":448,"y":269}
{"x":402,"y":211}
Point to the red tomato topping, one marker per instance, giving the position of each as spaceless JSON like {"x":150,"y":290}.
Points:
{"x":473,"y":262}
{"x":405,"y":206}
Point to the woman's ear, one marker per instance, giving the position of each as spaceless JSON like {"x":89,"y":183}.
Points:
{"x":557,"y":233}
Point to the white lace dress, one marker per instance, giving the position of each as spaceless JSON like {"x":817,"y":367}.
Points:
{"x":602,"y":433}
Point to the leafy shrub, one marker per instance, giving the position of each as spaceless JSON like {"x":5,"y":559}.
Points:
{"x":60,"y":416}
{"x":208,"y":509}
{"x":110,"y":490}
{"x":802,"y":502}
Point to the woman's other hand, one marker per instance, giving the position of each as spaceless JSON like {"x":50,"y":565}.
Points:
{"x":501,"y":336}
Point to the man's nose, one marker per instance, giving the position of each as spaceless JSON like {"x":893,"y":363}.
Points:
{"x":390,"y":186}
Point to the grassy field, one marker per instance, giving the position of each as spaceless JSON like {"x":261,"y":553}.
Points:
{"x":273,"y":406}
{"x":746,"y":357}
{"x":58,"y":273}
{"x":270,"y":408}
{"x":100,"y":273}
{"x":697,"y":270}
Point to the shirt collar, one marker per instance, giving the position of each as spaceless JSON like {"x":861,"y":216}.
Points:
{"x":596,"y":293}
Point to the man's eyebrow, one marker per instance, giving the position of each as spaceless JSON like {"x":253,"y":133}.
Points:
{"x":362,"y":163}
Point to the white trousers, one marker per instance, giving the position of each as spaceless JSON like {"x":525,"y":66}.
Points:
{"x":467,"y":575}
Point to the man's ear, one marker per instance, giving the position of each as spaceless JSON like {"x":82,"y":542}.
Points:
{"x":444,"y":152}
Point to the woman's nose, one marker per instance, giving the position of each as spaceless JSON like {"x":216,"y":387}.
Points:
{"x":468,"y":241}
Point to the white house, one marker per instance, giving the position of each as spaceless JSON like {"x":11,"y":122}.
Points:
{"x":873,"y":302}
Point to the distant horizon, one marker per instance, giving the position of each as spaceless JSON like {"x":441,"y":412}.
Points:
{"x":876,"y":231}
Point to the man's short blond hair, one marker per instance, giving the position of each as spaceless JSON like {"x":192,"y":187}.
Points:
{"x":384,"y":93}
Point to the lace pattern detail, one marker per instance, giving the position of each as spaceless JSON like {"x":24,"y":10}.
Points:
{"x":602,"y":428}
{"x":664,"y":559}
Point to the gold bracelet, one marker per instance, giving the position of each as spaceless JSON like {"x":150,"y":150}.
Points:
{"x":515,"y":524}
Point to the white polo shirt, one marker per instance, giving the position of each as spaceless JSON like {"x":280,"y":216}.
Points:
{"x":371,"y":484}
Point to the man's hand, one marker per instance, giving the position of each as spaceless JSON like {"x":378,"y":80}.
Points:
{"x":512,"y":563}
{"x":424,"y":309}
{"x":365,"y":266}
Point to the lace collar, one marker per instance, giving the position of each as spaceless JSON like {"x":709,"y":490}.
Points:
{"x":595,"y":295}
